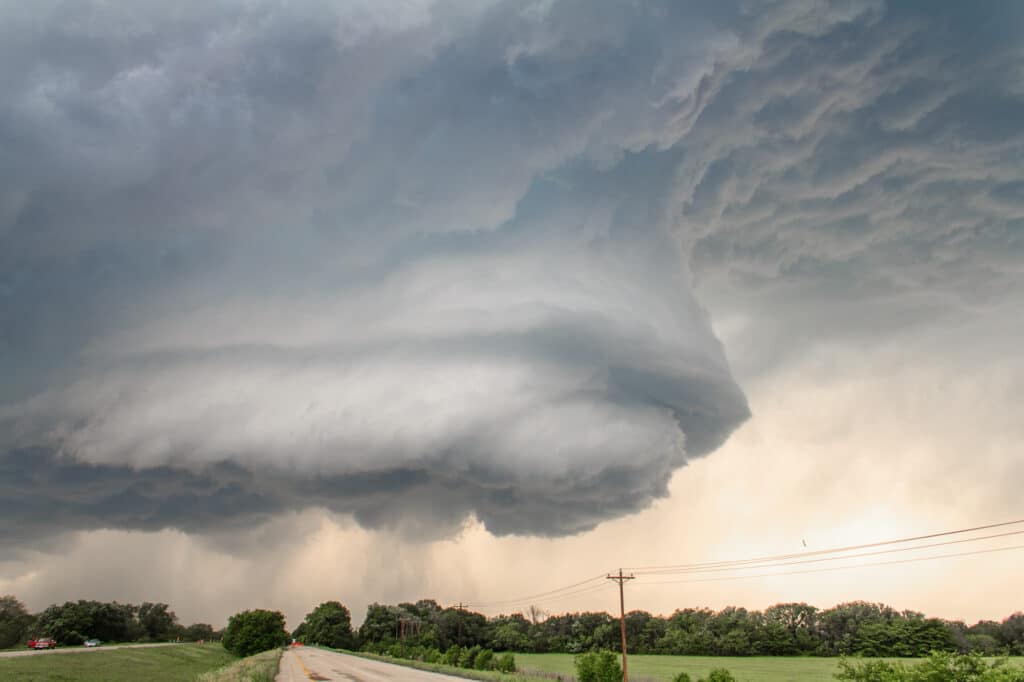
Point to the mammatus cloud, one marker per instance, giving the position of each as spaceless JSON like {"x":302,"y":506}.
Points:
{"x":419,"y":263}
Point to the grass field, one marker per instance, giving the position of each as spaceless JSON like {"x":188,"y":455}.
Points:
{"x":756,"y":669}
{"x":745,"y":669}
{"x":181,"y":663}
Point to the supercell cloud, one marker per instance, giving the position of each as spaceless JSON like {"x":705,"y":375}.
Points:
{"x":421,"y":261}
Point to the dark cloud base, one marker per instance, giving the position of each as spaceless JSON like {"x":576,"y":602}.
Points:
{"x":503,"y":188}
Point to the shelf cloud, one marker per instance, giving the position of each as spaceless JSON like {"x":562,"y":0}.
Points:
{"x":418,"y":262}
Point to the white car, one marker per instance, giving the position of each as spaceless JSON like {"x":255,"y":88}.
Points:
{"x":91,"y":642}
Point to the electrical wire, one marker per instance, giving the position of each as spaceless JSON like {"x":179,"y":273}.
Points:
{"x":834,"y":568}
{"x":539,"y":595}
{"x":836,"y":558}
{"x":834,"y":550}
{"x":772,"y":561}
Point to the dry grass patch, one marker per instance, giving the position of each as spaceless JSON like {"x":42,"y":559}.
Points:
{"x":258,"y":668}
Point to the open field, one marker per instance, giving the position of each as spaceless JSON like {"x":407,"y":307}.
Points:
{"x":768,"y":668}
{"x":754,"y":668}
{"x":182,"y":663}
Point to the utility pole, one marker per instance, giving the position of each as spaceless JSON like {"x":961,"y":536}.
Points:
{"x":460,"y":624}
{"x":621,"y":579}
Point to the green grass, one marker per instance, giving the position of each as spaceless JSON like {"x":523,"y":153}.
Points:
{"x":484,"y":675}
{"x":258,"y":668}
{"x":641,"y":667}
{"x":661,"y":668}
{"x":181,"y":662}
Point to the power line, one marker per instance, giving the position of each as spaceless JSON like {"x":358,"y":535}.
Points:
{"x":595,"y":583}
{"x":836,"y":568}
{"x":834,"y":558}
{"x":539,"y":595}
{"x":834,"y":550}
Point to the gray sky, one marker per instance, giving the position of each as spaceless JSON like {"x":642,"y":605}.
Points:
{"x":384,"y":300}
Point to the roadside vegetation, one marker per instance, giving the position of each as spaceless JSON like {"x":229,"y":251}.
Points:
{"x":251,"y":632}
{"x":261,"y":667}
{"x":178,"y":663}
{"x":938,"y":667}
{"x":456,"y":671}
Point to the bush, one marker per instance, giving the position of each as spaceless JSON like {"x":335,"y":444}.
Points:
{"x":719,"y":675}
{"x":432,"y":655}
{"x":598,"y":666}
{"x":681,"y":677}
{"x":940,"y":666}
{"x":451,"y":657}
{"x":483,"y":659}
{"x":468,"y":656}
{"x":251,"y":632}
{"x":506,"y":663}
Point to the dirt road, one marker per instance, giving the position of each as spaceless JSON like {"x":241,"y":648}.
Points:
{"x":79,"y":649}
{"x":307,"y":663}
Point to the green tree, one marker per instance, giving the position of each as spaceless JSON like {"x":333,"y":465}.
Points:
{"x":251,"y":632}
{"x":329,"y":624}
{"x":1012,"y":633}
{"x":157,"y":620}
{"x":199,"y":632}
{"x":15,"y":621}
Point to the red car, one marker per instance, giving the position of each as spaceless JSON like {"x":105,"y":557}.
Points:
{"x":42,"y":643}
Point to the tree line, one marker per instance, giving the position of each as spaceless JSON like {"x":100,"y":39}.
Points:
{"x":852,"y":629}
{"x":424,"y":627}
{"x":73,"y":622}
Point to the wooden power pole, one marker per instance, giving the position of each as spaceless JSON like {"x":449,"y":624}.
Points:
{"x":621,"y":579}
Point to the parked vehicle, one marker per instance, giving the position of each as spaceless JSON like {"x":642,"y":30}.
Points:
{"x":91,"y":642}
{"x":42,"y":643}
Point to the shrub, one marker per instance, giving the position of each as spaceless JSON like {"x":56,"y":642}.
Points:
{"x":483,"y":659}
{"x":681,"y":677}
{"x":720,"y":675}
{"x":251,"y":632}
{"x":468,"y":656}
{"x":506,"y":663}
{"x":869,"y":671}
{"x":598,"y":666}
{"x":451,"y":657}
{"x":432,"y":655}
{"x":938,"y":666}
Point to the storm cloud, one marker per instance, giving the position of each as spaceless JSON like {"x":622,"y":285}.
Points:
{"x":417,"y":262}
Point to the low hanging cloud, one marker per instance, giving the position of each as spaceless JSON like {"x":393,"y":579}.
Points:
{"x":416,"y":262}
